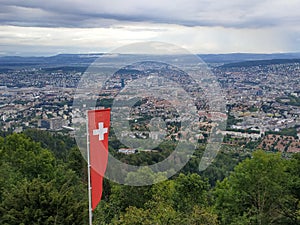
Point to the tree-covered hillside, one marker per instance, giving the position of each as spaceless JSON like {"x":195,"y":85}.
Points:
{"x":44,"y":181}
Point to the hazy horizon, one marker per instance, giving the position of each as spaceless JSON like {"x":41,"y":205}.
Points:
{"x":99,"y":53}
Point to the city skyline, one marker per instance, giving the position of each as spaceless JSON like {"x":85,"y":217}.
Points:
{"x":39,"y":28}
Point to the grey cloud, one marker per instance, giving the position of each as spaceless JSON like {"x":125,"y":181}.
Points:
{"x":99,"y":13}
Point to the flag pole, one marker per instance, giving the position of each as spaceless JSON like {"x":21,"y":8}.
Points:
{"x":89,"y":169}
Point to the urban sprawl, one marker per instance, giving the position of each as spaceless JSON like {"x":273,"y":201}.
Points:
{"x":262,"y":103}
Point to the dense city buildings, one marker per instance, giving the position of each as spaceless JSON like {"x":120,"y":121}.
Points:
{"x":262,"y":101}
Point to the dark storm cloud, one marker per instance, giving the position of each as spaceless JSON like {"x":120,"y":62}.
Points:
{"x":102,"y":13}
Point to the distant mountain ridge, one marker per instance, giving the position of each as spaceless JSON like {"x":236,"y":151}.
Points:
{"x":240,"y":57}
{"x":60,"y":59}
{"x":261,"y":62}
{"x":84,"y":60}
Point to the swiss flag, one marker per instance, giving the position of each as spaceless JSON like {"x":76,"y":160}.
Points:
{"x":98,"y":129}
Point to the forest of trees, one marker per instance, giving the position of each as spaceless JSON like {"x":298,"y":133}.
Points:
{"x":44,"y":181}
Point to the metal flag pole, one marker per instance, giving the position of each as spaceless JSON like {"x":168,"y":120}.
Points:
{"x":89,"y":169}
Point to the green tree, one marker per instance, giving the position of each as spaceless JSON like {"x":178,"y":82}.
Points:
{"x":290,"y":205}
{"x":37,"y":188}
{"x":41,"y":202}
{"x":27,"y":157}
{"x":254,"y":192}
{"x":190,"y":190}
{"x":156,"y":213}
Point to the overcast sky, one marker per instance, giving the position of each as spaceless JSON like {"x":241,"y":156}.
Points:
{"x":37,"y":27}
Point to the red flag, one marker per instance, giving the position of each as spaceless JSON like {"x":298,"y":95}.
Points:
{"x":98,"y":128}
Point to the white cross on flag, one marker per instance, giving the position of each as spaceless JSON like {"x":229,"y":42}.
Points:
{"x":100,"y":131}
{"x":98,"y":128}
